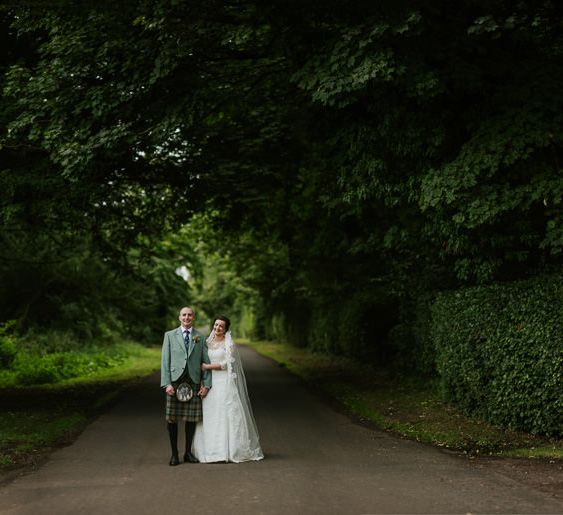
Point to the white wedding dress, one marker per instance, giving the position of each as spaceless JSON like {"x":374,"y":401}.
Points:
{"x":228,"y":431}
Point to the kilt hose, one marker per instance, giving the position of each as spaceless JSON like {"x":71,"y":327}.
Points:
{"x":190,"y":411}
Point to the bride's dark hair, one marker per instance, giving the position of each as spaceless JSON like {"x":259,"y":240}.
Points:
{"x":224,"y":319}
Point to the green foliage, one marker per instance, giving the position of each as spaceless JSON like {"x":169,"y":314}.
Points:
{"x":52,"y":368}
{"x":411,"y":339}
{"x":7,"y":351}
{"x":8,"y":348}
{"x":102,"y":166}
{"x":46,"y":369}
{"x":38,"y":417}
{"x":217,"y":285}
{"x":59,"y":358}
{"x":346,"y":162}
{"x":458,"y":148}
{"x":77,"y":291}
{"x":500,"y":352}
{"x":355,"y":325}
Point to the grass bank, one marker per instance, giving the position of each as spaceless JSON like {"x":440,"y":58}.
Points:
{"x":39,"y":417}
{"x":406,"y":405}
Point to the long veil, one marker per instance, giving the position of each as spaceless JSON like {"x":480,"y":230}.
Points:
{"x":238,"y":404}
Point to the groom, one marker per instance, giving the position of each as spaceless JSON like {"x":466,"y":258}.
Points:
{"x":183,"y":352}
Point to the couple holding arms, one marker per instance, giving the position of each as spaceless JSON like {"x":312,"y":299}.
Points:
{"x":206,"y":388}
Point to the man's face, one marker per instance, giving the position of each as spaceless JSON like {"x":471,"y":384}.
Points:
{"x":186,"y":317}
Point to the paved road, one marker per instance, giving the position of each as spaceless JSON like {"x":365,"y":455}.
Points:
{"x":317,"y":461}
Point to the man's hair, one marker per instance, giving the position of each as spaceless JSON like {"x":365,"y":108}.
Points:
{"x":187,"y":307}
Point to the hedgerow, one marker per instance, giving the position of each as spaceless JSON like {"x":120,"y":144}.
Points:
{"x":500,"y":352}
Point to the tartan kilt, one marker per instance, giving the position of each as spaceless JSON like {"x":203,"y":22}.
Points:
{"x":183,"y":411}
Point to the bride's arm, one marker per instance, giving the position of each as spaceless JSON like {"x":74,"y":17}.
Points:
{"x":214,"y":366}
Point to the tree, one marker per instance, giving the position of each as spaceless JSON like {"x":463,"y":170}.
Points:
{"x":355,"y":157}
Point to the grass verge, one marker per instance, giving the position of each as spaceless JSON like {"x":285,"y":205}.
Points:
{"x":406,"y":405}
{"x":35,"y":419}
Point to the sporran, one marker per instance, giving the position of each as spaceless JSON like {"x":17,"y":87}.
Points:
{"x":184,"y":392}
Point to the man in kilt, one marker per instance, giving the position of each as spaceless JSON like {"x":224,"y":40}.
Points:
{"x":183,"y":351}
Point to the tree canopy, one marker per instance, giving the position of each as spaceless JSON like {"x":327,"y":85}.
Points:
{"x":347,"y":158}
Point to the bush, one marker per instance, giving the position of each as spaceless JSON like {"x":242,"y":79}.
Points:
{"x":410,"y":339}
{"x":51,"y":368}
{"x":356,"y":325}
{"x":40,"y":370}
{"x":500,"y":352}
{"x":321,"y":335}
{"x":8,"y":351}
{"x":8,"y":347}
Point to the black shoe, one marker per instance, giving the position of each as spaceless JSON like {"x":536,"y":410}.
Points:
{"x":174,"y":460}
{"x":190,"y":458}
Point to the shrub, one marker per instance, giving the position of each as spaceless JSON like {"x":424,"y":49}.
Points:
{"x":8,"y":351}
{"x":321,"y":335}
{"x":410,"y":339}
{"x":500,"y":352}
{"x":39,"y":370}
{"x":51,"y":368}
{"x":356,"y":325}
{"x":8,"y":347}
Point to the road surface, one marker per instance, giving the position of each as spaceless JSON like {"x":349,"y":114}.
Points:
{"x":317,"y":462}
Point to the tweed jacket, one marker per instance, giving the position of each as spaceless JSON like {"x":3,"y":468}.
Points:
{"x":175,"y":358}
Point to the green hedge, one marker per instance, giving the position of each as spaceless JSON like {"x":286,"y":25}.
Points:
{"x":52,"y":368}
{"x":410,"y":338}
{"x":53,"y":357}
{"x":8,"y":348}
{"x":500,"y":352}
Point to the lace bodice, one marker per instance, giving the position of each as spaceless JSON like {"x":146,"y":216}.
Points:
{"x":217,"y":354}
{"x":214,"y":344}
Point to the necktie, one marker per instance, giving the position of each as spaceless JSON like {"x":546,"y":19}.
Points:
{"x":187,"y":341}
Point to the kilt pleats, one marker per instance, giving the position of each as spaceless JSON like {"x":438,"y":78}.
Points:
{"x":177,"y":411}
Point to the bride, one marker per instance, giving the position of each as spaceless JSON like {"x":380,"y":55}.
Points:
{"x":228,"y":431}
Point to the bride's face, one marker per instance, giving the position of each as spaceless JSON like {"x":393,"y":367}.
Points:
{"x":219,"y":327}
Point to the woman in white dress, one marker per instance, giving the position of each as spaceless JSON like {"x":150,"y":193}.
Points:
{"x":228,"y":430}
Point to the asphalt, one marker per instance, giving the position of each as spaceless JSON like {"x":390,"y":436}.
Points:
{"x":316,"y":461}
